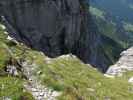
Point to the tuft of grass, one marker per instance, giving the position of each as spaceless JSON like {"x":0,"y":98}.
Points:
{"x":26,"y":96}
{"x":13,"y":88}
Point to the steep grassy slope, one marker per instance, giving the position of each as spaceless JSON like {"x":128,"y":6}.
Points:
{"x":67,"y":74}
{"x":10,"y":87}
{"x":79,"y":81}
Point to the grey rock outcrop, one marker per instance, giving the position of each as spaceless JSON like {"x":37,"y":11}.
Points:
{"x":130,"y":80}
{"x":56,"y":27}
{"x":124,"y":64}
{"x":12,"y":70}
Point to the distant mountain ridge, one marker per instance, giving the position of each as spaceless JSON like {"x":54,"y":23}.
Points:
{"x":122,"y":9}
{"x":118,"y":16}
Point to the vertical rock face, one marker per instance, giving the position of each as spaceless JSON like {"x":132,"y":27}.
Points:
{"x":55,"y":27}
{"x":47,"y":25}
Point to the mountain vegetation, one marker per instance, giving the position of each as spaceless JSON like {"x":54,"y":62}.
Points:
{"x":66,"y":74}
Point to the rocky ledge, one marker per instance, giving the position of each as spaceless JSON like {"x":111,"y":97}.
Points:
{"x":124,"y":64}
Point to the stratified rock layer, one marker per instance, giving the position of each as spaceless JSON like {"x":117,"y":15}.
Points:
{"x":124,"y":64}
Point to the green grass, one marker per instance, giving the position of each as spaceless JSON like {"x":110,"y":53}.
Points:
{"x":3,"y":53}
{"x":10,"y":87}
{"x":75,"y":80}
{"x":3,"y":57}
{"x":127,"y":75}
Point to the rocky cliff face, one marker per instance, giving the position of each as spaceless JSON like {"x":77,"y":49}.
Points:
{"x":124,"y":64}
{"x":56,"y":27}
{"x":52,"y":26}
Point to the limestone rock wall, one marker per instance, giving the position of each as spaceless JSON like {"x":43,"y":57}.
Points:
{"x":55,"y":27}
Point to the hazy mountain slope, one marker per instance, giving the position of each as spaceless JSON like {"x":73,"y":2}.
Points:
{"x":116,"y":21}
{"x":121,"y":9}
